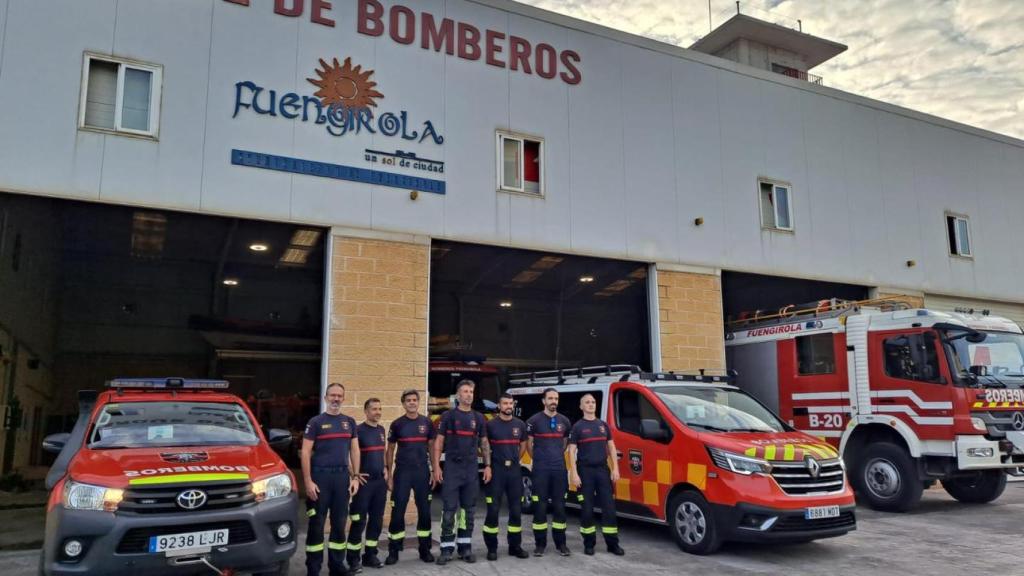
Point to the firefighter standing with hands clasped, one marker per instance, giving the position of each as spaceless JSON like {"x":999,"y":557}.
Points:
{"x":368,"y":503}
{"x":547,"y":431}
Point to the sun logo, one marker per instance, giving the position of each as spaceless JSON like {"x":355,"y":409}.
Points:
{"x":344,"y":86}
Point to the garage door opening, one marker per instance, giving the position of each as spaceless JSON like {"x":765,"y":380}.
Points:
{"x":495,"y":311}
{"x":93,"y":292}
{"x":747,"y":294}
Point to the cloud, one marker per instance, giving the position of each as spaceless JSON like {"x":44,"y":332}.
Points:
{"x":957,"y":59}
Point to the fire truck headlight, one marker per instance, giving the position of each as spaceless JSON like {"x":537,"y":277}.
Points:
{"x":272,"y":487}
{"x":979,"y":424}
{"x":739,"y":464}
{"x":80,"y":496}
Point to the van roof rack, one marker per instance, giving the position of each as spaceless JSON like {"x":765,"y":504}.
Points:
{"x":524,"y":378}
{"x":816,"y":310}
{"x":617,"y":372}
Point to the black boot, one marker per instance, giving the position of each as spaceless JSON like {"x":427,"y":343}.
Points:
{"x":426,"y":556}
{"x":492,"y":555}
{"x":445,"y":557}
{"x":616,"y":549}
{"x":392,"y":558}
{"x":371,"y":561}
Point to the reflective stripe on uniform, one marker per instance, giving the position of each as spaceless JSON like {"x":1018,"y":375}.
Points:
{"x":336,"y":545}
{"x":491,"y":529}
{"x":463,"y":540}
{"x":421,"y":534}
{"x":355,"y":517}
{"x":356,"y":547}
{"x":536,"y":498}
{"x":462,"y":519}
{"x":514,"y":529}
{"x":609,"y":529}
{"x":579,"y":497}
{"x":397,"y":535}
{"x":558,"y":525}
{"x":540,"y":526}
{"x":315,"y":547}
{"x":489,"y":500}
{"x":371,"y":543}
{"x":447,"y":545}
{"x":590,"y":530}
{"x":311,"y":512}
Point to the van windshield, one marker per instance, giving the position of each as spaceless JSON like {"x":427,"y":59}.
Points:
{"x":719,"y":410}
{"x":168,"y":424}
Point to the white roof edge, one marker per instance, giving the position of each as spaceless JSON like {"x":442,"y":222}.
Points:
{"x":679,"y":52}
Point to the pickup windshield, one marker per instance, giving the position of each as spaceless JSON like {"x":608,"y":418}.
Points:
{"x":1000,"y":354}
{"x":168,"y":424}
{"x":719,"y":410}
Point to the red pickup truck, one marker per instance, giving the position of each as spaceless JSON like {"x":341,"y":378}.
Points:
{"x":166,"y":476}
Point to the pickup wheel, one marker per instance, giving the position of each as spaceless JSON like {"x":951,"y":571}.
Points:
{"x":886,"y":477}
{"x":979,"y":488}
{"x":693,"y":524}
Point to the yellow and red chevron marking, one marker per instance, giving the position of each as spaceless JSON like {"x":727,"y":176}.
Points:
{"x":999,"y":405}
{"x":792,"y":452}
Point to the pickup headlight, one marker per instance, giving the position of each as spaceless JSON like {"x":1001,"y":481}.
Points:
{"x":78,"y":496}
{"x":739,"y":464}
{"x":979,"y":424}
{"x":272,"y":487}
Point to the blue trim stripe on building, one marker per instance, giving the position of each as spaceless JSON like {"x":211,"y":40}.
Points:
{"x":336,"y":171}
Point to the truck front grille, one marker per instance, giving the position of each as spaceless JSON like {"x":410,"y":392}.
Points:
{"x":163,"y":499}
{"x":795,"y":477}
{"x":801,"y":524}
{"x":136,"y":540}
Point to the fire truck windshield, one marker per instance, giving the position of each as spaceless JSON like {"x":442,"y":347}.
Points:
{"x":166,"y":424}
{"x":719,"y":410}
{"x":998,"y":354}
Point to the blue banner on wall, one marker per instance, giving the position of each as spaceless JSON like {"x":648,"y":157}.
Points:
{"x":336,"y":171}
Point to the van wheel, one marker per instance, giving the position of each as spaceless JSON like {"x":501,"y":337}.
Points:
{"x":527,"y":492}
{"x":887,"y":478}
{"x":282,"y":570}
{"x":980,"y":488}
{"x":693,"y":524}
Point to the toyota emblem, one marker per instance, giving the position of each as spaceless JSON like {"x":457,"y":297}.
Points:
{"x":191,"y":499}
{"x":813,"y":467}
{"x":1018,"y":421}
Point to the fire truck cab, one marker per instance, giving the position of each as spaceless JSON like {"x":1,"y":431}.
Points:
{"x":704,"y":458}
{"x":909,"y":396}
{"x":168,"y":476}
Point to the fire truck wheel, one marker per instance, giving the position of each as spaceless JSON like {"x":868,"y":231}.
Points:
{"x":693,"y":523}
{"x":980,"y":488}
{"x":887,"y":478}
{"x":527,"y":492}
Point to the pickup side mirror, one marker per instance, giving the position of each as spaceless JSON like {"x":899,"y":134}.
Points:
{"x":651,"y":429}
{"x":279,"y":439}
{"x":54,"y":443}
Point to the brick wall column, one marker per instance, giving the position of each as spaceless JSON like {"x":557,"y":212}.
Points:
{"x":691,"y":322}
{"x":378,"y":339}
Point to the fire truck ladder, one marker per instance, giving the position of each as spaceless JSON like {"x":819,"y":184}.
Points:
{"x":818,"y":310}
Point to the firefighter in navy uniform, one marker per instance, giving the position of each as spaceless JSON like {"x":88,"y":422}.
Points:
{"x":460,"y":435}
{"x":330,"y":452}
{"x":546,"y":436}
{"x":407,"y":457}
{"x":368,"y":503}
{"x":506,"y":435}
{"x":590,"y":449}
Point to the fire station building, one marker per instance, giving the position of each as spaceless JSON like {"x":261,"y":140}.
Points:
{"x":398,"y":194}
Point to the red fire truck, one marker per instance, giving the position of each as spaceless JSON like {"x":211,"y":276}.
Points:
{"x":909,"y":396}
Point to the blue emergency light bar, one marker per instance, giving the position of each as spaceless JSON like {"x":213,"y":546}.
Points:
{"x":168,"y":384}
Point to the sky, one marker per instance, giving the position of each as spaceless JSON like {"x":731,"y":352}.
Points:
{"x":957,"y":59}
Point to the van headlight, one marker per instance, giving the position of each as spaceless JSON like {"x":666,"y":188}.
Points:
{"x":78,"y":496}
{"x":739,"y":464}
{"x":272,"y":487}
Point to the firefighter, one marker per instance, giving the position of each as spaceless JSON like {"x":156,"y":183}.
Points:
{"x":506,"y":435}
{"x":546,"y":438}
{"x":368,"y":503}
{"x":407,"y":456}
{"x":330,"y":452}
{"x":460,"y":435}
{"x":590,"y":449}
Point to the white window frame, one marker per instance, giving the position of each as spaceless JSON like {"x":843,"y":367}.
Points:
{"x":957,"y":218}
{"x":775,"y":205}
{"x":502,"y":136}
{"x":155,"y":93}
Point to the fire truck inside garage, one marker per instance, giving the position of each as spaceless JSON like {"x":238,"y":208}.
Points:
{"x":93,"y":292}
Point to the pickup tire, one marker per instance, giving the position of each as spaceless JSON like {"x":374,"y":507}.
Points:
{"x":886,"y":477}
{"x":980,"y":488}
{"x":693,"y":523}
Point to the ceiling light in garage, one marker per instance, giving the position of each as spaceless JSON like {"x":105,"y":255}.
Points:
{"x":505,"y":304}
{"x":586,"y":279}
{"x":294,"y":256}
{"x":258,"y":247}
{"x":230,"y":282}
{"x":305,"y":237}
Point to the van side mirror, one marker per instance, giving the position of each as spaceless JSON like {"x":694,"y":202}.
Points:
{"x":54,"y":443}
{"x":651,"y":429}
{"x":279,"y":439}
